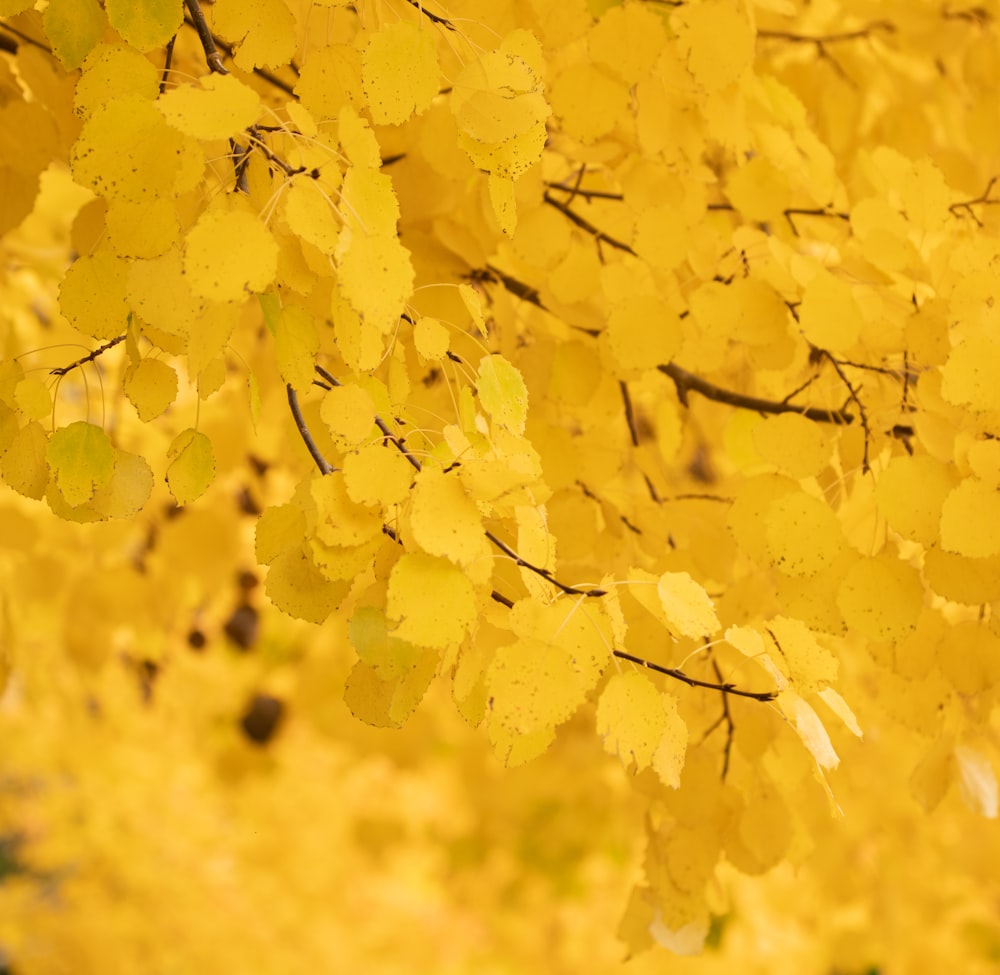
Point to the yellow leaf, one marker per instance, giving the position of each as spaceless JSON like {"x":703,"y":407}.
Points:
{"x":216,"y":107}
{"x":111,"y":70}
{"x":376,"y":277}
{"x":720,"y":42}
{"x":445,"y":521}
{"x":430,"y":338}
{"x":280,"y":528}
{"x":349,"y":414}
{"x":642,"y":334}
{"x":829,"y":315}
{"x":310,"y":214}
{"x":297,"y":587}
{"x":881,"y":598}
{"x":92,"y":294}
{"x":340,"y":521}
{"x":73,"y":27}
{"x":970,"y":519}
{"x":192,"y":466}
{"x":399,"y":72}
{"x":386,"y":654}
{"x":668,"y":759}
{"x":228,"y":254}
{"x":82,"y":459}
{"x":296,"y":342}
{"x":809,"y":665}
{"x":377,"y":474}
{"x":263,"y":31}
{"x":911,"y":492}
{"x":795,"y":445}
{"x":803,"y":534}
{"x":146,"y":24}
{"x":151,"y":386}
{"x":631,"y":718}
{"x":588,"y":102}
{"x":388,"y":703}
{"x":142,"y":230}
{"x":502,"y":392}
{"x":689,"y":609}
{"x":810,"y":729}
{"x":33,"y":398}
{"x":971,"y":376}
{"x":504,"y":203}
{"x":977,"y":781}
{"x":23,"y":464}
{"x":432,"y":601}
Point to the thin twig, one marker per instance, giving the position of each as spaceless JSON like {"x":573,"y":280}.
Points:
{"x":168,"y":58}
{"x":212,"y":56}
{"x":586,"y":225}
{"x":865,"y":467}
{"x":725,"y":687}
{"x":27,"y":38}
{"x":789,"y":212}
{"x":433,"y":18}
{"x":982,"y":200}
{"x":544,"y":573}
{"x":821,"y":39}
{"x":300,"y":422}
{"x":586,"y":194}
{"x":629,"y":413}
{"x":62,"y":370}
{"x":687,"y":381}
{"x":729,"y":723}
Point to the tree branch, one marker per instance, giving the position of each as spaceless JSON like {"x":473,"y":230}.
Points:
{"x":212,"y":56}
{"x":687,"y":381}
{"x":724,"y":686}
{"x":586,"y":225}
{"x":300,"y":422}
{"x":544,"y":573}
{"x":433,"y":18}
{"x":62,"y":370}
{"x":865,"y":466}
{"x":982,"y":200}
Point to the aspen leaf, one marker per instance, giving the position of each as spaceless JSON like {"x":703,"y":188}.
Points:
{"x":376,"y":277}
{"x":297,"y":587}
{"x":803,"y":534}
{"x":533,"y":686}
{"x":444,"y":520}
{"x":128,"y":489}
{"x":349,"y":414}
{"x":388,"y":703}
{"x":687,"y":606}
{"x":111,"y":70}
{"x":369,"y":202}
{"x":377,"y":473}
{"x":92,"y":294}
{"x":430,"y":338}
{"x":840,"y":708}
{"x":502,"y":392}
{"x":296,"y":342}
{"x":829,"y":315}
{"x":910,"y":494}
{"x":33,"y":398}
{"x":146,"y":24}
{"x":642,"y":334}
{"x":628,"y":40}
{"x":263,"y":31}
{"x":504,"y":203}
{"x":151,"y":386}
{"x":142,"y":230}
{"x":388,"y":655}
{"x":810,"y":729}
{"x":216,"y":107}
{"x":82,"y":459}
{"x":340,"y":521}
{"x":399,"y":72}
{"x":309,"y":213}
{"x":971,"y":376}
{"x":192,"y":466}
{"x":73,"y":27}
{"x":881,"y":598}
{"x":631,"y":718}
{"x":795,"y":445}
{"x":970,"y":519}
{"x":933,"y":774}
{"x":23,"y":465}
{"x":720,"y":40}
{"x":668,"y":759}
{"x":432,"y":601}
{"x":229,"y":253}
{"x":280,"y":528}
{"x":809,"y":665}
{"x":685,"y":941}
{"x":588,"y":101}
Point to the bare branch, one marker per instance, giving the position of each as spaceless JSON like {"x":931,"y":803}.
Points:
{"x":62,"y":370}
{"x":585,"y":225}
{"x":724,"y":686}
{"x":300,"y":422}
{"x":212,"y":56}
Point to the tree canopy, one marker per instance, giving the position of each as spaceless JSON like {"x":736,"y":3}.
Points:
{"x":499,"y":487}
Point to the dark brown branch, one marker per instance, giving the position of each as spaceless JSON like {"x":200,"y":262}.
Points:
{"x":212,"y":55}
{"x":729,"y":723}
{"x":167,"y":60}
{"x":300,"y":422}
{"x":724,"y":686}
{"x":789,"y":212}
{"x":585,"y":225}
{"x":821,"y":39}
{"x":629,"y":413}
{"x":27,"y":38}
{"x":982,"y":200}
{"x":62,"y":370}
{"x":853,"y":393}
{"x":544,"y":573}
{"x":687,"y":381}
{"x":502,"y":599}
{"x":433,"y":18}
{"x":586,"y":194}
{"x":517,"y":288}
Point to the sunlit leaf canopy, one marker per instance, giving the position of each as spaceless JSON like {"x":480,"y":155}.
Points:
{"x":499,"y":486}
